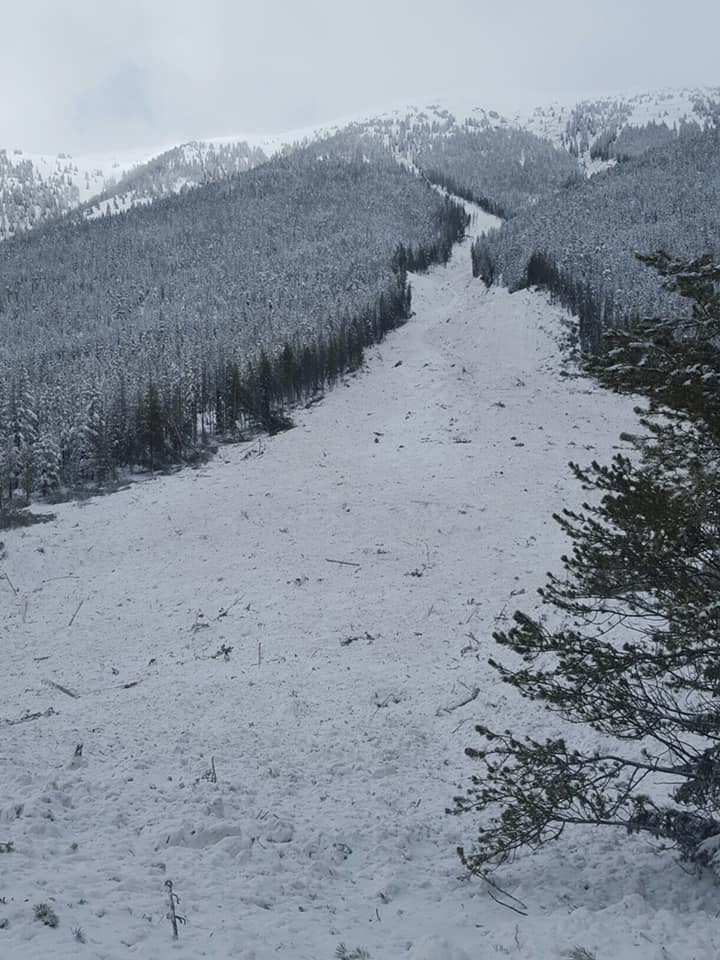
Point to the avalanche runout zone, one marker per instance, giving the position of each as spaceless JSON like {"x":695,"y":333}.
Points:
{"x":356,"y":566}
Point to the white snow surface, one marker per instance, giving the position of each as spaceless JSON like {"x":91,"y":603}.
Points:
{"x":357,"y":566}
{"x":669,"y":106}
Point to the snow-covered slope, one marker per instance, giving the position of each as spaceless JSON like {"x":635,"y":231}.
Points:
{"x":587,"y":127}
{"x":554,"y":121}
{"x":35,"y":188}
{"x":305,"y":615}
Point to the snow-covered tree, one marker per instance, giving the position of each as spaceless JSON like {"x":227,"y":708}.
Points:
{"x":629,"y":643}
{"x":46,"y":467}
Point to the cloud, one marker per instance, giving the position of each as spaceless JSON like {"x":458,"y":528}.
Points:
{"x":119,"y":106}
{"x":101,"y":74}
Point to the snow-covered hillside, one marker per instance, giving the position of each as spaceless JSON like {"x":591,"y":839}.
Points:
{"x":35,"y":188}
{"x":587,"y":126}
{"x":552,"y":121}
{"x":305,"y":616}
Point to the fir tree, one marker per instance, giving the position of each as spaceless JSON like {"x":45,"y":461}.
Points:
{"x":630,"y":643}
{"x":26,"y":429}
{"x":47,"y":463}
{"x":153,"y":427}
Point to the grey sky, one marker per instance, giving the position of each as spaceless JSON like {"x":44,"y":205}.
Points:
{"x":83,"y":75}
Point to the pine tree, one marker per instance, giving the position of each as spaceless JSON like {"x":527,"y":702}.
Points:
{"x":6,"y":447}
{"x":630,"y":642}
{"x":26,"y":427}
{"x":153,"y":431}
{"x":47,"y":463}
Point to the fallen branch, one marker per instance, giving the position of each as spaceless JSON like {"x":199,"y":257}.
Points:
{"x":224,"y":611}
{"x":12,"y":585}
{"x":344,"y":563}
{"x":474,"y":694}
{"x":390,"y":698}
{"x":77,"y":611}
{"x":348,"y":640}
{"x":27,"y":717}
{"x":520,"y":907}
{"x":61,"y":688}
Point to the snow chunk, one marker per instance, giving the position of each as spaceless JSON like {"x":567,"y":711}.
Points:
{"x":434,"y":948}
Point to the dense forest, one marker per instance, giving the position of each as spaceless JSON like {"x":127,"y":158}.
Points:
{"x":188,"y":165}
{"x":581,"y":241}
{"x":483,"y":158}
{"x":504,"y":169}
{"x":134,"y":338}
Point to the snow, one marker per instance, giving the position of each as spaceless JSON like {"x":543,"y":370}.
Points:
{"x":356,"y":566}
{"x":88,"y":173}
{"x":669,"y":106}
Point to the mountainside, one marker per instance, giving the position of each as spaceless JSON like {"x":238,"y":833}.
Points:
{"x":130,"y":339}
{"x":36,"y":189}
{"x":480,"y":156}
{"x":279,"y":735}
{"x":239,"y":699}
{"x":188,"y":165}
{"x":581,"y":242}
{"x":612,"y":128}
{"x":503,"y":162}
{"x":126,"y":339}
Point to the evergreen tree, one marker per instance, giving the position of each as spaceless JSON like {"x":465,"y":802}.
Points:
{"x":26,"y":427}
{"x":630,"y":642}
{"x":674,"y":362}
{"x":153,"y":430}
{"x":47,"y":463}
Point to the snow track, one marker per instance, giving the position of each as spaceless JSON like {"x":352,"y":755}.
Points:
{"x":356,"y":566}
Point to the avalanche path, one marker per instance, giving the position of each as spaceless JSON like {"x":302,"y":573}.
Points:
{"x":306,"y":613}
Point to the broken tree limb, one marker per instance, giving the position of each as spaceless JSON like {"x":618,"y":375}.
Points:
{"x":61,"y":688}
{"x":77,"y":611}
{"x":12,"y":585}
{"x":27,"y":717}
{"x":474,"y":694}
{"x":344,"y":563}
{"x":224,"y":611}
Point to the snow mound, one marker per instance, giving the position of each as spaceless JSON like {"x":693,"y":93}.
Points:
{"x":435,"y":948}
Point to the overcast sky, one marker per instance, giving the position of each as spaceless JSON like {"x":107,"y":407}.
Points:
{"x":83,"y":75}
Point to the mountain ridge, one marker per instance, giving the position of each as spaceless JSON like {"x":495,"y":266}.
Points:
{"x":35,"y":187}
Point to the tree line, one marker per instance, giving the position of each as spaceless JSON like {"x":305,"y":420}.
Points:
{"x":137,"y":339}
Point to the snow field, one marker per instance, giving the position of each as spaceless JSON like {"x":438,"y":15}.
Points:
{"x":356,"y":566}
